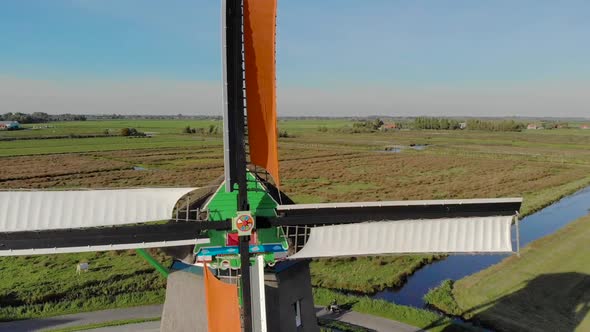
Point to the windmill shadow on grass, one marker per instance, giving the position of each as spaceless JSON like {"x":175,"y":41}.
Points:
{"x":549,"y":302}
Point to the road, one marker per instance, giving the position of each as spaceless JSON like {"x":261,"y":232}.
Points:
{"x":367,"y":321}
{"x":144,"y":312}
{"x":141,"y":327}
{"x":85,"y":318}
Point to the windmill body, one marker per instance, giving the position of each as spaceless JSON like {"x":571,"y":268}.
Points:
{"x":245,"y":220}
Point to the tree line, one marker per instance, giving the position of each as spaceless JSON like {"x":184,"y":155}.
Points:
{"x":470,"y":124}
{"x":40,"y":117}
{"x":436,"y":123}
{"x":363,"y":126}
{"x":502,"y":125}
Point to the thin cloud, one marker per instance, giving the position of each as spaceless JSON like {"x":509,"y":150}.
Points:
{"x":564,"y":100}
{"x":159,"y":97}
{"x":128,"y":97}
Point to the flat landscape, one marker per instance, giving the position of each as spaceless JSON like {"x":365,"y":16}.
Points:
{"x":321,"y":161}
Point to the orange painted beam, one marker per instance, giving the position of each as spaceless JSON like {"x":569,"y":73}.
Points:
{"x":260,"y":67}
{"x":223,"y":311}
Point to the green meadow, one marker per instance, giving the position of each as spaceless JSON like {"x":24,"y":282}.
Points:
{"x":74,"y":145}
{"x":321,"y":161}
{"x":41,"y":286}
{"x":94,"y":127}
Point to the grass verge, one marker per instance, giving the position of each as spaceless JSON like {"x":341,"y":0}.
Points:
{"x":545,"y":197}
{"x":442,"y":298}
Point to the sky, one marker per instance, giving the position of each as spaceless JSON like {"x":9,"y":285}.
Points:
{"x":334,"y":57}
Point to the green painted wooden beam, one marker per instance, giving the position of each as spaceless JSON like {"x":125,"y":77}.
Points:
{"x":153,"y":262}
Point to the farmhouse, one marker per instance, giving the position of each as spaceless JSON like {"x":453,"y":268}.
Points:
{"x":389,"y":126}
{"x":9,"y":125}
{"x":585,"y":126}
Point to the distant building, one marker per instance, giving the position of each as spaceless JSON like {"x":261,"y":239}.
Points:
{"x":532,"y":126}
{"x":9,"y":125}
{"x":585,"y":126}
{"x":463,"y":125}
{"x":389,"y":126}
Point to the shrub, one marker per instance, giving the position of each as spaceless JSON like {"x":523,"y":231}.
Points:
{"x":213,"y":130}
{"x":131,"y":132}
{"x":125,"y":131}
{"x":367,"y":126}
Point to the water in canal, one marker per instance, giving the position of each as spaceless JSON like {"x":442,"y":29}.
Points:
{"x":455,"y":267}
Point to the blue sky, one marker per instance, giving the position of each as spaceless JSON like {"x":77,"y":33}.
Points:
{"x":335,"y":57}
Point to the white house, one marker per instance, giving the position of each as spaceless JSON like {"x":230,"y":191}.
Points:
{"x":9,"y":125}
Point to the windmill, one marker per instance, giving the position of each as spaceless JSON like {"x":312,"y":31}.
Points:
{"x":246,"y":219}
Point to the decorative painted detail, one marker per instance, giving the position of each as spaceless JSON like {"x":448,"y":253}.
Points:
{"x":244,"y":223}
{"x":254,"y":249}
{"x":224,"y":262}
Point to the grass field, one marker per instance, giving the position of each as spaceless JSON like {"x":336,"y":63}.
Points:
{"x":352,"y":273}
{"x":39,"y":286}
{"x":158,"y":127}
{"x":316,"y":166}
{"x":73,"y":145}
{"x":546,"y":289}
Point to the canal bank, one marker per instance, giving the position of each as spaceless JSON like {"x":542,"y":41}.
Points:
{"x":547,"y":288}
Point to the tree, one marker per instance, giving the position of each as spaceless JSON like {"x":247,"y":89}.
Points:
{"x":377,"y":124}
{"x":125,"y":132}
{"x":213,"y":130}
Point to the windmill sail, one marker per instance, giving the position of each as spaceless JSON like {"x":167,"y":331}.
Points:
{"x":47,"y":222}
{"x":399,"y":227}
{"x":259,"y":57}
{"x":448,"y":235}
{"x":51,"y":210}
